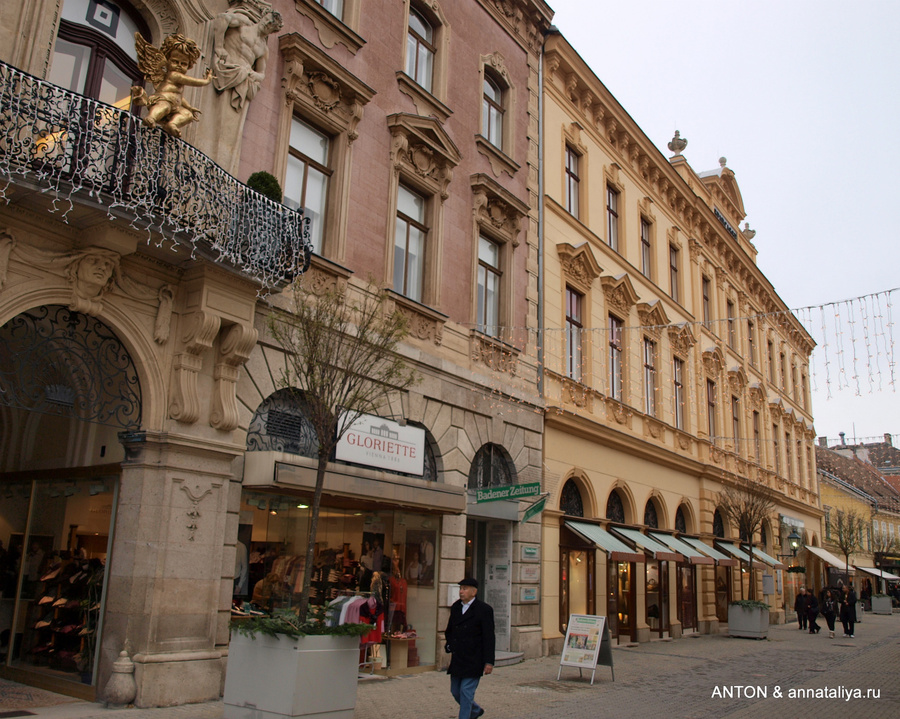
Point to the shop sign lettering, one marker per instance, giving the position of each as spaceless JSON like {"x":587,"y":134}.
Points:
{"x":378,"y":442}
{"x":512,"y":491}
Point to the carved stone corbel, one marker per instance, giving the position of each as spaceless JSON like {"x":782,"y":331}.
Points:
{"x":234,"y":350}
{"x":202,"y":328}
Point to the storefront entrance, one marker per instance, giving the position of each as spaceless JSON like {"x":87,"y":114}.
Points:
{"x":657,"y":575}
{"x":723,"y":593}
{"x":489,"y":560}
{"x":687,"y":596}
{"x":620,"y":602}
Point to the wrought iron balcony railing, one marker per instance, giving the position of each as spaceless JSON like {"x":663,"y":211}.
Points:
{"x":81,"y":150}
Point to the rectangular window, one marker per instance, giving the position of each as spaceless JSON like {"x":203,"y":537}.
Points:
{"x":736,"y":422}
{"x":771,"y":358}
{"x":307,"y":175}
{"x":732,"y":335}
{"x":572,"y":181}
{"x":711,"y":409}
{"x":673,"y":273}
{"x":420,"y":49}
{"x":800,"y":476}
{"x":492,"y":112}
{"x":573,"y":334}
{"x":705,"y":286}
{"x":678,"y":394}
{"x":488,"y":287}
{"x":782,"y":362}
{"x":615,"y":358}
{"x":757,"y":448}
{"x":788,"y":456}
{"x":803,"y":390}
{"x":409,"y":244}
{"x":795,"y":385}
{"x":612,"y":217}
{"x":751,"y":342}
{"x":645,"y":248}
{"x":650,"y":377}
{"x":776,"y":450}
{"x":335,"y":7}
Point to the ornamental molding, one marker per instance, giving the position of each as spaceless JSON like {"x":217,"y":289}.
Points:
{"x":578,"y":393}
{"x":618,"y":412}
{"x":494,"y":354}
{"x":713,"y":361}
{"x":496,"y":209}
{"x":619,"y":292}
{"x":421,"y":148}
{"x":737,"y":378}
{"x":653,"y":317}
{"x":682,"y":339}
{"x":579,"y":264}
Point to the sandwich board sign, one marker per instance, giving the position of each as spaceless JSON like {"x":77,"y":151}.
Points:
{"x":587,"y":645}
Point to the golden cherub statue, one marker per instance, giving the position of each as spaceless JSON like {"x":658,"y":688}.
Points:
{"x":166,"y":68}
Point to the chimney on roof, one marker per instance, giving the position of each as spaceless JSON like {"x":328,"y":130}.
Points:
{"x":823,"y":442}
{"x":842,"y":435}
{"x":887,"y":439}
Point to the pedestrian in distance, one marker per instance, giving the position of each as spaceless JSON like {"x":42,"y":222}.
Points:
{"x":470,"y":639}
{"x":848,"y":610}
{"x":830,"y":610}
{"x":801,"y":604}
{"x":812,"y":611}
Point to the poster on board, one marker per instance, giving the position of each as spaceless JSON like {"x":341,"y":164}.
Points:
{"x":587,"y":644}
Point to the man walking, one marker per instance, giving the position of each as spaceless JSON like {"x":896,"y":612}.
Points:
{"x":801,"y":605}
{"x":470,"y":638}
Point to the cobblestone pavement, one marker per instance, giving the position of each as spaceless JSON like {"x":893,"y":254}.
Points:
{"x":689,"y":678}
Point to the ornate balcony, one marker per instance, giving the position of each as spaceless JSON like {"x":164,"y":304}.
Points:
{"x":81,"y":151}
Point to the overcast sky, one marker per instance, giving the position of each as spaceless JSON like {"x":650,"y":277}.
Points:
{"x":802,"y":98}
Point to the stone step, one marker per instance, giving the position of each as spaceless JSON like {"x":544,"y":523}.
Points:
{"x":506,"y":659}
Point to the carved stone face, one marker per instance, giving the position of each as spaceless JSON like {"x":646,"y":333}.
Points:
{"x":178,"y":62}
{"x":95,"y":270}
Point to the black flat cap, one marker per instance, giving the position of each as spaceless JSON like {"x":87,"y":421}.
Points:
{"x":469,"y":582}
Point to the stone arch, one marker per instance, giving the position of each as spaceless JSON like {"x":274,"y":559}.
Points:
{"x":626,"y":499}
{"x":720,"y":525}
{"x":655,"y":499}
{"x":491,"y":467}
{"x":581,"y":483}
{"x":688,"y":516}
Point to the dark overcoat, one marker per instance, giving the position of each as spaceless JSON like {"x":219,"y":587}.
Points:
{"x":470,"y":637}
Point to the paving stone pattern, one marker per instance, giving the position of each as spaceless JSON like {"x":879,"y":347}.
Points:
{"x":672,"y":679}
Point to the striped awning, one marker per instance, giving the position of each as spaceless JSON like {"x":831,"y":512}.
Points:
{"x":720,"y":558}
{"x":657,"y":550}
{"x":614,"y":547}
{"x":734,"y":550}
{"x":829,"y":558}
{"x":693,"y":555}
{"x":765,"y":558}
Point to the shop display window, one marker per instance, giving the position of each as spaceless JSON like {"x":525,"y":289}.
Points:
{"x":56,"y":535}
{"x":386,"y":557}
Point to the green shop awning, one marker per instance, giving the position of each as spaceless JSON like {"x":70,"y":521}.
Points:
{"x":702,"y":546}
{"x":655,"y":549}
{"x":761,"y":555}
{"x":615,"y":548}
{"x":693,"y":556}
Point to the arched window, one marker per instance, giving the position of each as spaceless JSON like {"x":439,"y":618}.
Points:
{"x":570,"y":501}
{"x":615,"y":510}
{"x":680,"y":523}
{"x":491,"y":467}
{"x":650,"y":518}
{"x":94,"y":52}
{"x":763,"y":538}
{"x":280,"y":423}
{"x":718,"y":525}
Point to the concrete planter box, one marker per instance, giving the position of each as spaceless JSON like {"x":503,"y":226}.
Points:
{"x":273,"y":678}
{"x":750,"y":622}
{"x":881,"y":605}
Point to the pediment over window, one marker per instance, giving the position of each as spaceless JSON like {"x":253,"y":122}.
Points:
{"x":757,"y":395}
{"x":682,"y":339}
{"x":497,"y":208}
{"x":421,"y":147}
{"x":620,"y":293}
{"x":579,"y":264}
{"x":653,"y":317}
{"x":316,"y":82}
{"x":737,"y":378}
{"x":713,"y":361}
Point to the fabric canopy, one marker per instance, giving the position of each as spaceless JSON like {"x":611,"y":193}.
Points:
{"x":720,"y":558}
{"x":694,"y":556}
{"x":615,"y":548}
{"x":880,"y":573}
{"x":765,"y":558}
{"x":657,"y":550}
{"x":734,"y":551}
{"x":829,"y":558}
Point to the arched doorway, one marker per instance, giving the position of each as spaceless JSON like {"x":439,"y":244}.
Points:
{"x":68,"y":386}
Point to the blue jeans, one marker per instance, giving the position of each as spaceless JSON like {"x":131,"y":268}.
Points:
{"x":463,"y":690}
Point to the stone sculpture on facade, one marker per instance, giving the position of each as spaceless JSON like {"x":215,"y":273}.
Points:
{"x":240,"y":57}
{"x":166,"y":68}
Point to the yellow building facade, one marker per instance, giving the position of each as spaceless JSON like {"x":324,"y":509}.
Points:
{"x":672,"y":370}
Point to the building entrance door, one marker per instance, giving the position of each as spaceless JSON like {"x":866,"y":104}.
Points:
{"x":489,"y":560}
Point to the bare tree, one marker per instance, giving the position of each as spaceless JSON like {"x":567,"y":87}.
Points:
{"x":845,"y":531}
{"x":341,"y":362}
{"x":748,"y":505}
{"x":883,"y":543}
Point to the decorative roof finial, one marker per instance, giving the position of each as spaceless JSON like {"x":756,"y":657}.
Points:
{"x":677,"y":144}
{"x":747,"y":232}
{"x":722,"y":162}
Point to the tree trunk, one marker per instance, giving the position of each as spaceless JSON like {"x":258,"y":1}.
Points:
{"x":311,"y":536}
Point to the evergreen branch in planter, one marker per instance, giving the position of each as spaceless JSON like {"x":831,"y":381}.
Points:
{"x":288,"y":623}
{"x":750,"y":604}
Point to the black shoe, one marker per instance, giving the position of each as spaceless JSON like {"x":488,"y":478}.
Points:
{"x":480,"y":712}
